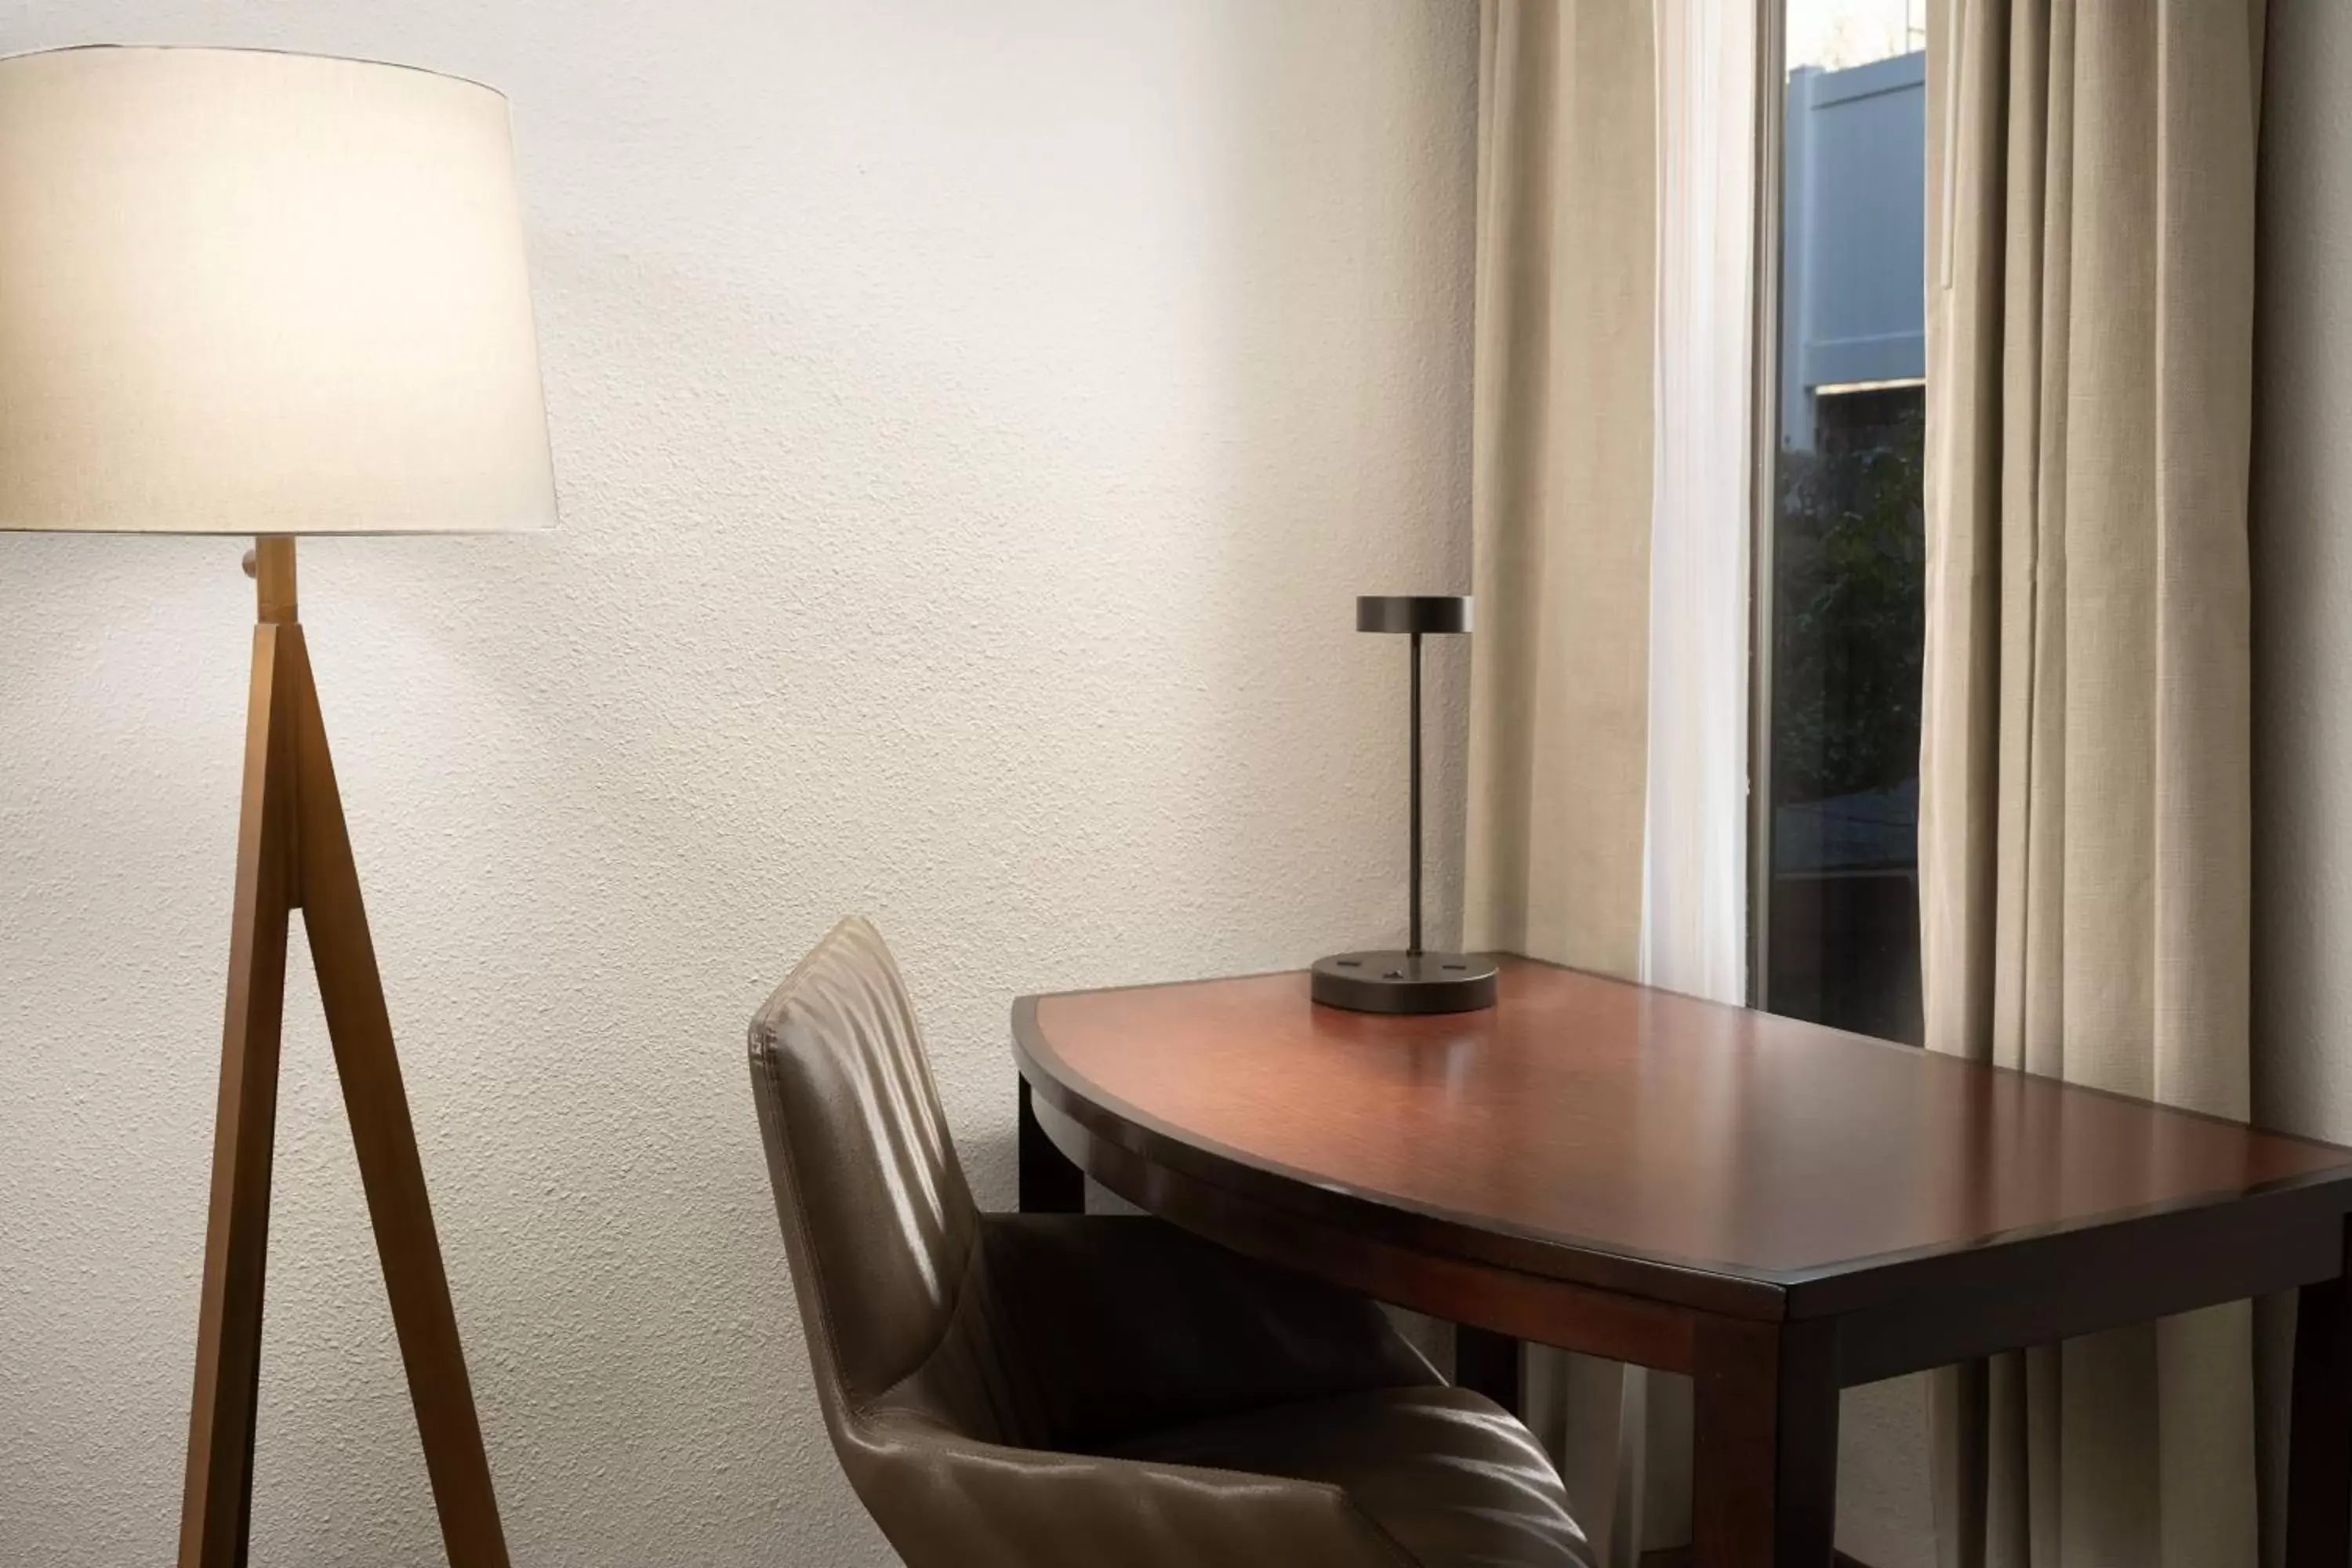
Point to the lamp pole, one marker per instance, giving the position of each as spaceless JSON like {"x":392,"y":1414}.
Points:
{"x":1413,"y":946}
{"x":1413,"y":980}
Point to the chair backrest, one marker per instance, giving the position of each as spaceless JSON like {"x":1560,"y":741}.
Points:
{"x":877,"y":1219}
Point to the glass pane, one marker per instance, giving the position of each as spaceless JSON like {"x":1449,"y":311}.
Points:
{"x":1842,"y":937}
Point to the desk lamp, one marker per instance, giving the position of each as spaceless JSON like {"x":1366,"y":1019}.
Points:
{"x":272,"y":294}
{"x":1413,"y":980}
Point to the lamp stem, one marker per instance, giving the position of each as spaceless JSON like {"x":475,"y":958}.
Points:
{"x":273,"y":579}
{"x":1413,"y":946}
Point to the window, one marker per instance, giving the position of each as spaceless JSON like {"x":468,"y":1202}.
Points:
{"x":1843,"y":623}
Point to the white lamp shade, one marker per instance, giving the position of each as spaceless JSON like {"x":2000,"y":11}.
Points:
{"x":244,"y":292}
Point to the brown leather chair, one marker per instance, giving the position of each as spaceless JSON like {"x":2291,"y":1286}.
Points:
{"x":1080,"y":1391}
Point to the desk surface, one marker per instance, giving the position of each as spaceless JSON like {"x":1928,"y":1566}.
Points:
{"x":1594,"y":1130}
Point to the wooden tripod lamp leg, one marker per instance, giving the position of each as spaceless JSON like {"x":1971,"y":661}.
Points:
{"x":377,"y":1103}
{"x":217,"y":1496}
{"x":295,"y":851}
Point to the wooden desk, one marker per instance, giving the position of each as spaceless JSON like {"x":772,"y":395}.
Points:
{"x":1776,"y":1209}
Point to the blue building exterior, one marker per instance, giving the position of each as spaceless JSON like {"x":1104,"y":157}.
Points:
{"x":1854,"y":264}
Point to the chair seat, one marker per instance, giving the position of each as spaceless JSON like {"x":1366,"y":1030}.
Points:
{"x":1446,"y":1473}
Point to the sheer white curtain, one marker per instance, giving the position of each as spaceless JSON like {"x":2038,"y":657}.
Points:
{"x":1695,"y":832}
{"x":1694,"y":858}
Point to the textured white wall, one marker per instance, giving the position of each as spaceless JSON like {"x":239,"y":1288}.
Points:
{"x":972,"y":423}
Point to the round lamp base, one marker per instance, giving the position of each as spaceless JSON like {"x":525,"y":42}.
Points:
{"x":1398,"y":982}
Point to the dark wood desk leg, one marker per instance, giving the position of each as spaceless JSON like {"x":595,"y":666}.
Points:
{"x":1764,"y":1460}
{"x":1049,"y":1184}
{"x":2319,"y":1442}
{"x":1487,"y":1362}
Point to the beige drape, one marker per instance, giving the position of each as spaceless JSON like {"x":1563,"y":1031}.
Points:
{"x":1560,"y":504}
{"x":1560,"y":480}
{"x":2085,"y":792}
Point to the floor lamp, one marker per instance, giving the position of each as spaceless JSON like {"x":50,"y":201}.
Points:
{"x":268,"y":294}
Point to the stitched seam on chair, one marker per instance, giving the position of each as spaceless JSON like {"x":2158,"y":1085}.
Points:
{"x":852,"y":1400}
{"x":1379,"y":1529}
{"x":965,"y":1301}
{"x":980,"y":1448}
{"x":905,"y":1002}
{"x":855,"y":1405}
{"x":1405,"y":1554}
{"x":765,"y":1051}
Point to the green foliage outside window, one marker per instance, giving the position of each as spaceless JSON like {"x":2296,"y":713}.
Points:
{"x":1849,"y":561}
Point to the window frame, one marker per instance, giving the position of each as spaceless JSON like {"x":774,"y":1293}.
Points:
{"x":1764,"y":443}
{"x":1765,"y":405}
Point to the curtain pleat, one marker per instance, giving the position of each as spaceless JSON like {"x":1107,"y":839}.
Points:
{"x":2086,"y":816}
{"x":1562,"y":482}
